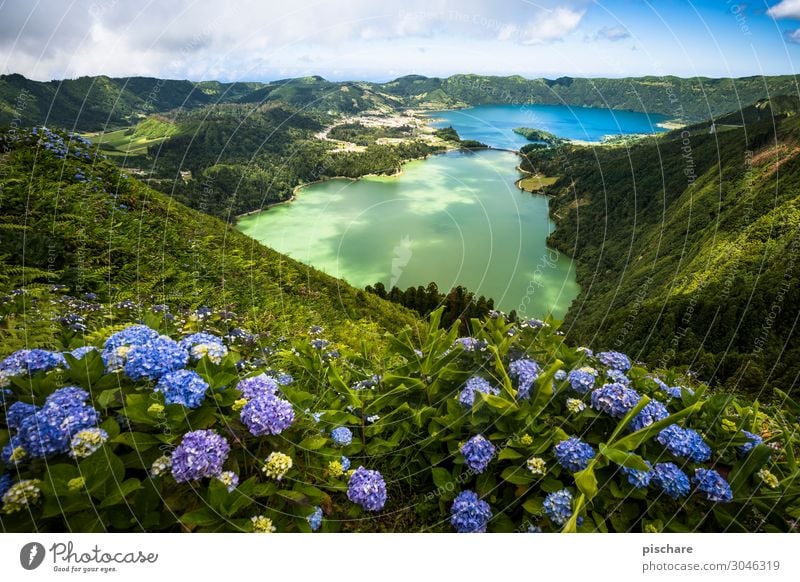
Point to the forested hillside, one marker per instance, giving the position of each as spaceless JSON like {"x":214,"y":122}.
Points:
{"x":687,"y":248}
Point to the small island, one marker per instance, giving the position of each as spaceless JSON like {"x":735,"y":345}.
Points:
{"x":538,"y":135}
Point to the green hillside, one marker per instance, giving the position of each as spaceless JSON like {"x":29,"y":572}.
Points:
{"x":74,"y":219}
{"x":686,"y":248}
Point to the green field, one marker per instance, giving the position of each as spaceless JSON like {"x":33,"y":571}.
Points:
{"x":134,"y":140}
{"x":536,"y":183}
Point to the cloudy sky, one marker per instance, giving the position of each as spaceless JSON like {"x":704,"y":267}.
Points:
{"x":369,"y":39}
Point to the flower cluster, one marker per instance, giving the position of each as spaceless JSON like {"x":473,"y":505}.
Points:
{"x":184,"y":387}
{"x":525,"y":372}
{"x":637,"y":478}
{"x":342,"y":436}
{"x":473,"y":385}
{"x":262,"y":524}
{"x":768,"y":478}
{"x":536,"y":465}
{"x":315,"y":519}
{"x":200,"y":345}
{"x":229,"y":479}
{"x":267,"y":415}
{"x":478,"y":453}
{"x":117,"y":346}
{"x":367,"y":489}
{"x":470,"y":344}
{"x":712,"y":485}
{"x":558,"y":506}
{"x":160,"y":466}
{"x":470,"y":513}
{"x":573,"y":454}
{"x":276,"y":465}
{"x":684,"y":442}
{"x":5,"y":483}
{"x":671,"y":480}
{"x":615,"y":360}
{"x":48,"y":430}
{"x":257,"y":386}
{"x":582,"y":379}
{"x":575,"y":406}
{"x":615,"y":400}
{"x":153,"y":359}
{"x":651,"y":413}
{"x":200,"y":454}
{"x":753,"y":440}
{"x":22,"y":495}
{"x":87,"y":441}
{"x":29,"y":362}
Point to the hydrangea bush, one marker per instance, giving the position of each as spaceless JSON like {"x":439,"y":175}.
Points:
{"x":144,"y":420}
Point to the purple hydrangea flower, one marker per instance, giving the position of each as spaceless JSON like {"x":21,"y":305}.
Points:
{"x":573,"y":454}
{"x":30,"y":361}
{"x":184,"y":387}
{"x":315,"y":519}
{"x":257,"y":386}
{"x":470,"y":344}
{"x":203,"y":344}
{"x":637,"y":478}
{"x":684,"y":442}
{"x":753,"y":440}
{"x":267,"y":415}
{"x":470,"y":513}
{"x":200,"y":454}
{"x":18,"y":412}
{"x":367,"y":489}
{"x":478,"y":453}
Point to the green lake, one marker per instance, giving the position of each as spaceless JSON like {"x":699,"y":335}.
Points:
{"x":456,"y":219}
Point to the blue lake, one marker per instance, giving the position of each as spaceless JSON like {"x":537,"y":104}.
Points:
{"x":494,"y":124}
{"x":456,"y":219}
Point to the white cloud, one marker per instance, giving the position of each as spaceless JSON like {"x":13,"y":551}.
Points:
{"x":785,"y":9}
{"x":792,"y":36}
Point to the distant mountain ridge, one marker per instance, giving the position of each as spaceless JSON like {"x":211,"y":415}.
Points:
{"x":95,"y":103}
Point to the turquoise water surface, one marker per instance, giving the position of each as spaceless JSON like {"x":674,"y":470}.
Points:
{"x":456,"y":218}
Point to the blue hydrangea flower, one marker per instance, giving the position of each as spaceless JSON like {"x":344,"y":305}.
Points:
{"x":315,"y":519}
{"x":639,"y":479}
{"x":470,"y":513}
{"x":676,"y":391}
{"x":573,"y":454}
{"x":525,"y":372}
{"x":712,"y":485}
{"x":80,"y":353}
{"x":367,"y":489}
{"x":184,"y":387}
{"x":342,"y":436}
{"x":476,"y":384}
{"x":155,"y":358}
{"x":478,"y":453}
{"x":616,"y":400}
{"x":752,"y":441}
{"x":470,"y":344}
{"x":581,"y":380}
{"x":559,"y":376}
{"x":130,"y":336}
{"x":319,"y":344}
{"x":18,"y":412}
{"x":651,"y":413}
{"x":558,"y":506}
{"x":200,"y":454}
{"x":345,"y":463}
{"x":30,"y":361}
{"x":618,"y":377}
{"x":50,"y":429}
{"x":5,"y":483}
{"x":201,"y":344}
{"x":671,"y":480}
{"x":284,"y":378}
{"x":261,"y":385}
{"x":267,"y":415}
{"x":615,"y":360}
{"x":684,"y":442}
